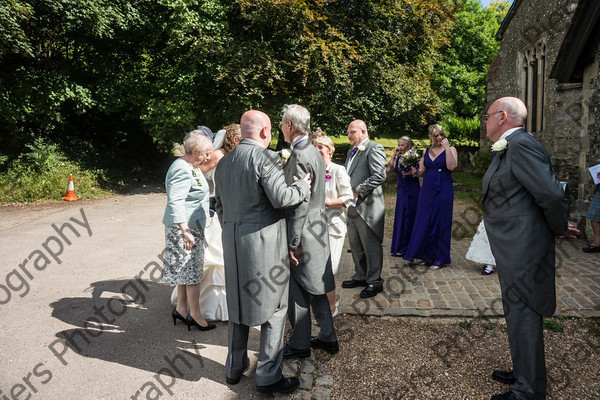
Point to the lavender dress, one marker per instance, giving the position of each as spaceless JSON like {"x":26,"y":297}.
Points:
{"x":430,"y":240}
{"x":406,"y":207}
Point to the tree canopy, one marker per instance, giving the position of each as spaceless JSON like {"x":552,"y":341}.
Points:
{"x":461,"y":74}
{"x":128,"y":76}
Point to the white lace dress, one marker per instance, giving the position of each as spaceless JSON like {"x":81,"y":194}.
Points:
{"x":479,"y":250}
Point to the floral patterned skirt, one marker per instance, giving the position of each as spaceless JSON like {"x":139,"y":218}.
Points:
{"x":180,"y":266}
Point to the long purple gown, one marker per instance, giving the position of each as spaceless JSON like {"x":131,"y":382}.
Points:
{"x":430,"y":240}
{"x":406,"y":207}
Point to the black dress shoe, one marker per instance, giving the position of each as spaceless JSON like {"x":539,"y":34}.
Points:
{"x":504,"y":376}
{"x":352,"y":283}
{"x":370,"y":291}
{"x":505,"y":396}
{"x":285,"y":385}
{"x":591,"y":249}
{"x":330,"y":347}
{"x":290,"y":352}
{"x":236,"y":380}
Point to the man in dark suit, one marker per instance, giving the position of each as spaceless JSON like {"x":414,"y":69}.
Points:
{"x":308,"y":242}
{"x":250,"y":193}
{"x":365,"y":164}
{"x":524,"y":208}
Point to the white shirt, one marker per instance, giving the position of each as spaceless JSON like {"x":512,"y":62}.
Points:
{"x":508,"y":132}
{"x":354,"y":156}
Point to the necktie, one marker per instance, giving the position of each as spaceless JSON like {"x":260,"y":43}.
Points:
{"x":354,"y":150}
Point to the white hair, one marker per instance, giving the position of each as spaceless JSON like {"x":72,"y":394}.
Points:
{"x":194,"y":140}
{"x":298,"y":116}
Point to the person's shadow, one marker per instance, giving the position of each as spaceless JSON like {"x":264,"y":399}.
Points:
{"x":128,"y":321}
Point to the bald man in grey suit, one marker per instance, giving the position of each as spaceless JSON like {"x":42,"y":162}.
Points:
{"x":365,"y":164}
{"x":524,"y":208}
{"x":251,"y":192}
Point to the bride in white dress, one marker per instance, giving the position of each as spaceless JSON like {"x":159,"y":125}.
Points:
{"x":213,"y":301}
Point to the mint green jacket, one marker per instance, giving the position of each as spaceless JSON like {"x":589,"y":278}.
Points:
{"x":187,"y":196}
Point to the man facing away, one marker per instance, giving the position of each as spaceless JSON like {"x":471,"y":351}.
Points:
{"x":524,"y":208}
{"x":308,"y":243}
{"x":250,"y":194}
{"x":365,"y":164}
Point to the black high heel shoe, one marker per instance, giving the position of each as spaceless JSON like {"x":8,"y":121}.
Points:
{"x":190,"y":321}
{"x":176,"y":316}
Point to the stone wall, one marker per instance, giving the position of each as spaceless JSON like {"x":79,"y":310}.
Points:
{"x":570,"y":132}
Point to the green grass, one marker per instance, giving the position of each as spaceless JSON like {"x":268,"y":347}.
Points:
{"x":467,"y":185}
{"x":553,"y":326}
{"x":43,"y":174}
{"x":464,"y":324}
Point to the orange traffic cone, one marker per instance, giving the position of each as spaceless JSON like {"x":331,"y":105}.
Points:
{"x":70,"y":190}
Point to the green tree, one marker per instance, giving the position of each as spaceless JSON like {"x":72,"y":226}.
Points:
{"x":342,"y":59}
{"x":460,"y":75}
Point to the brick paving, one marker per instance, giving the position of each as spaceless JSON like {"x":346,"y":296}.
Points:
{"x":459,"y":289}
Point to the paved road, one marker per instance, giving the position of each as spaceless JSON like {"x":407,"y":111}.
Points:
{"x":82,"y":314}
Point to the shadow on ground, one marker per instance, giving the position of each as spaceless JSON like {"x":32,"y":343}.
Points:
{"x":128,"y":321}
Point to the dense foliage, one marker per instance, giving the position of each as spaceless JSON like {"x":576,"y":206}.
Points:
{"x":112,"y":82}
{"x":461,"y":74}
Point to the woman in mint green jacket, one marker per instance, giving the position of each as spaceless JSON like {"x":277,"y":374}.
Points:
{"x":185,"y":218}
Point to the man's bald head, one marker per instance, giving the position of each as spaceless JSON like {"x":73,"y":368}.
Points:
{"x":515,"y":108}
{"x":357,"y":132}
{"x":256,"y":125}
{"x":504,"y":114}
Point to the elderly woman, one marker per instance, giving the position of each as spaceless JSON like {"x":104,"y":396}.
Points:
{"x":430,"y":239}
{"x":213,"y":297}
{"x":338,"y":194}
{"x":185,"y":218}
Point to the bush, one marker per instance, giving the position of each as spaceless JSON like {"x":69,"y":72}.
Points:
{"x":462,"y":129}
{"x":43,"y":173}
{"x":481,"y":161}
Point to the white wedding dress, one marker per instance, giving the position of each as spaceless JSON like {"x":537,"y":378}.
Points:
{"x":479,"y":250}
{"x":213,"y":300}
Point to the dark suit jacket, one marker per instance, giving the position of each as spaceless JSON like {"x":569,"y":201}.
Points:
{"x":524,"y":209}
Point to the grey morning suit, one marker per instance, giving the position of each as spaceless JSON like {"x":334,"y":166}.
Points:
{"x":365,"y":220}
{"x":250,"y":194}
{"x":524,"y":208}
{"x":307,"y":228}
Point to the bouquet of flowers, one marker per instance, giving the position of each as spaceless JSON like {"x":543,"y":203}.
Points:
{"x":408,"y":160}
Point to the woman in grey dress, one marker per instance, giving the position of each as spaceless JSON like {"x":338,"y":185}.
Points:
{"x":185,"y":218}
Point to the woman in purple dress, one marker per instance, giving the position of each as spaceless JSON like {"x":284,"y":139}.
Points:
{"x":430,"y":240}
{"x":407,"y":195}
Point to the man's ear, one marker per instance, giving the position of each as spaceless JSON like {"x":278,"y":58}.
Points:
{"x":263,"y":132}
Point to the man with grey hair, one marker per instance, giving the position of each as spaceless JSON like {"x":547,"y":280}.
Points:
{"x":308,"y":243}
{"x":365,"y":164}
{"x":524,"y":208}
{"x":250,"y":193}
